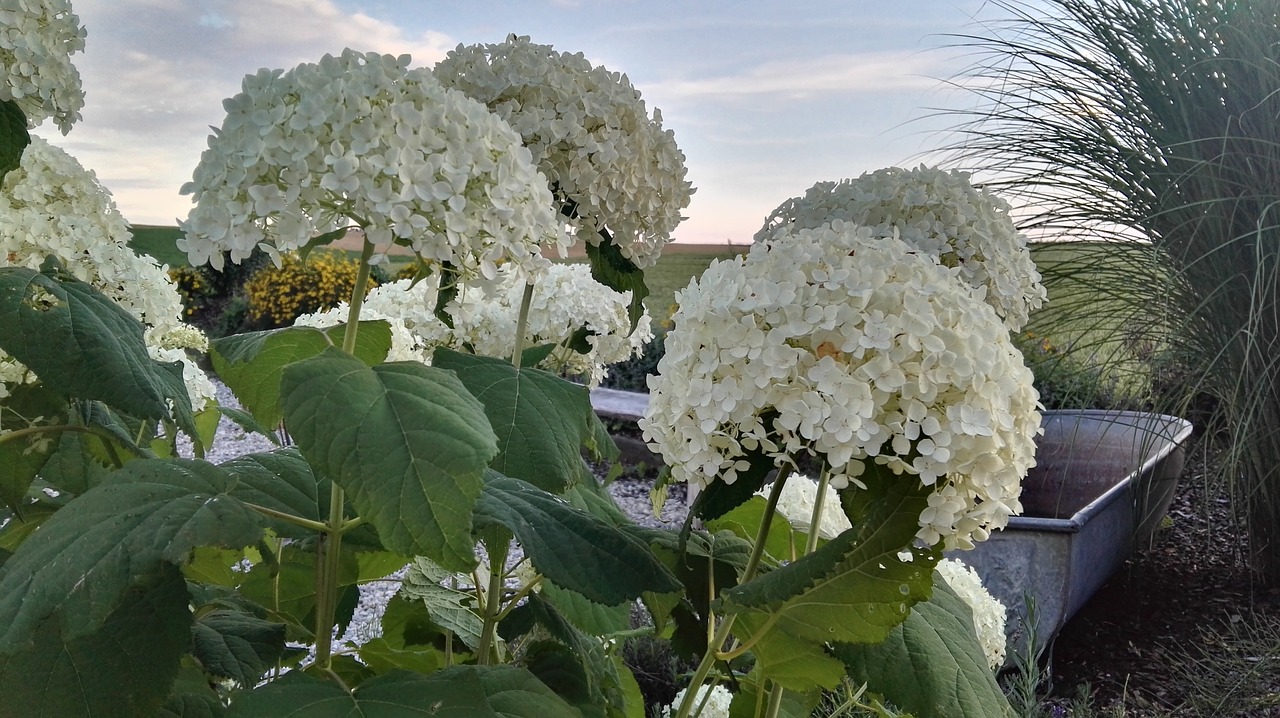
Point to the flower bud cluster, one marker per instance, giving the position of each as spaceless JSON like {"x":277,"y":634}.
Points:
{"x":362,"y":138}
{"x":856,"y":348}
{"x":611,"y":165}
{"x":37,"y":40}
{"x":936,"y":212}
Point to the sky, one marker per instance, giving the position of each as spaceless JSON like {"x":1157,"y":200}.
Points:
{"x":765,"y":99}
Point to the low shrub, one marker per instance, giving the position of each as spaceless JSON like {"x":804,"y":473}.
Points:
{"x":630,"y":375}
{"x":277,"y":295}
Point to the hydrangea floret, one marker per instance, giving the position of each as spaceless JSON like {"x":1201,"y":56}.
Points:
{"x":52,"y":206}
{"x":988,"y":613}
{"x":855,"y":348}
{"x":37,"y":40}
{"x":610,"y":163}
{"x":364,"y":139}
{"x":796,"y":502}
{"x":715,"y":701}
{"x":937,"y":212}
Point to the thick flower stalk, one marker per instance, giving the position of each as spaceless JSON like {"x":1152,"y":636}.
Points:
{"x":936,"y":212}
{"x":53,"y":206}
{"x":611,"y":164}
{"x":857,"y":349}
{"x":37,"y":40}
{"x":565,"y":300}
{"x":988,"y":613}
{"x":362,"y":139}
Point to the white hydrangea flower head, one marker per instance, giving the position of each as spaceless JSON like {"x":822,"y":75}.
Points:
{"x":937,"y":212}
{"x":362,"y":138}
{"x":404,"y":309}
{"x":853,"y":347}
{"x":717,"y":703}
{"x":612,"y":165}
{"x":37,"y":40}
{"x":53,"y":206}
{"x":796,"y":506}
{"x":988,"y":613}
{"x":565,"y":299}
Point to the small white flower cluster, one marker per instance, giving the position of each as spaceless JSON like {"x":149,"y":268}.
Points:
{"x":988,"y":612}
{"x":37,"y":39}
{"x":717,"y":703}
{"x":796,"y":505}
{"x":854,"y":347}
{"x":362,"y":137}
{"x":589,"y":133}
{"x":52,"y":206}
{"x":937,"y":212}
{"x":564,"y":299}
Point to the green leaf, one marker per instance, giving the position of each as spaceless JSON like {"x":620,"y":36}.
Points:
{"x":57,"y":325}
{"x":280,"y":480}
{"x":74,"y":467}
{"x":236,"y":645}
{"x":251,"y":364}
{"x":853,"y":589}
{"x":407,"y":442}
{"x":571,"y":547}
{"x":22,"y":459}
{"x":192,"y":697}
{"x":533,"y":356}
{"x":451,"y":609}
{"x":245,"y":420}
{"x":14,"y":136}
{"x":84,"y":559}
{"x":588,"y":616}
{"x":382,"y":657}
{"x":287,"y":588}
{"x":595,"y":677}
{"x":125,"y":667}
{"x":744,"y":521}
{"x":462,"y":691}
{"x":718,"y":498}
{"x":560,"y":669}
{"x":931,"y":664}
{"x":542,"y":421}
{"x":321,"y":240}
{"x":615,"y":271}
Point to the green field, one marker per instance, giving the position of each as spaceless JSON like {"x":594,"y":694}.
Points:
{"x":158,"y":242}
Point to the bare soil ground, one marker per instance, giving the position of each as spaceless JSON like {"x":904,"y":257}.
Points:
{"x":1183,"y":628}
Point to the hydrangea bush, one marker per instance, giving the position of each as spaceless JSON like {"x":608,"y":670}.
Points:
{"x":176,"y":586}
{"x":935,"y":211}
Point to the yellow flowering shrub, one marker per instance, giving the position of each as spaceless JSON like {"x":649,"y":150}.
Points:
{"x":194,"y":288}
{"x":278,"y":295}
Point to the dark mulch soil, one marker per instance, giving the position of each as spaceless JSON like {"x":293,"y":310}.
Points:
{"x":1151,"y":641}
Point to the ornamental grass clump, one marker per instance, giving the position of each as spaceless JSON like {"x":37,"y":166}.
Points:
{"x":611,"y":166}
{"x":850,"y":347}
{"x":1151,"y":129}
{"x":937,"y":212}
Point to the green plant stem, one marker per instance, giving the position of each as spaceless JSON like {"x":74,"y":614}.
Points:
{"x":726,"y":626}
{"x":522,"y":324}
{"x":290,"y":518}
{"x":331,"y":539}
{"x":775,"y":701}
{"x":492,"y":603}
{"x":815,"y":521}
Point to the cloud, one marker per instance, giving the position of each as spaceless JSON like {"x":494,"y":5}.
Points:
{"x":155,"y":75}
{"x":811,"y":78}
